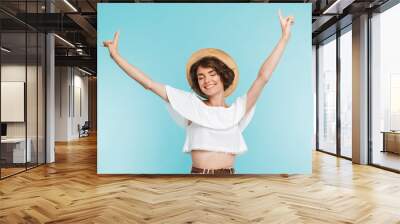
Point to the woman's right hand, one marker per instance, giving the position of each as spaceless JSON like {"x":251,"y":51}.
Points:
{"x":286,"y":24}
{"x":112,"y":45}
{"x":132,"y":71}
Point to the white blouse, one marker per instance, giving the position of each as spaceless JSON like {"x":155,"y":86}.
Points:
{"x":217,"y":129}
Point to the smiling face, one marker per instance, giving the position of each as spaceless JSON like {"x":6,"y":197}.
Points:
{"x":209,"y":81}
{"x":210,"y":76}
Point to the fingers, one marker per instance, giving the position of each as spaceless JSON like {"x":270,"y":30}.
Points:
{"x":107,"y":43}
{"x":280,"y":15}
{"x":289,"y":20}
{"x":116,"y":37}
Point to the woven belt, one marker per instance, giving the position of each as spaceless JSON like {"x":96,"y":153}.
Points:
{"x":196,"y":170}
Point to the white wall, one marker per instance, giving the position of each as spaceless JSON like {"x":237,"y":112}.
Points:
{"x":70,"y":83}
{"x":61,"y":103}
{"x":12,"y":73}
{"x":16,"y":72}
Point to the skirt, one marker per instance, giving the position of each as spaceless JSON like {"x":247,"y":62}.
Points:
{"x":223,"y":171}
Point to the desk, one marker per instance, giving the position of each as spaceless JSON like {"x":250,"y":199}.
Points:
{"x":391,"y":141}
{"x":15,"y":148}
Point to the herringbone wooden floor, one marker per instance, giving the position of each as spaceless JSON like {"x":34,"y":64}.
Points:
{"x":69,"y":191}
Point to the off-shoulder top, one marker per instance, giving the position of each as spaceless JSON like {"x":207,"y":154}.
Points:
{"x":211,"y":128}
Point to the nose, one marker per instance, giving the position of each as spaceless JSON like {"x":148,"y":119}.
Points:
{"x":207,"y":79}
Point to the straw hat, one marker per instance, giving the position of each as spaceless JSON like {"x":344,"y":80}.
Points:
{"x":221,"y":55}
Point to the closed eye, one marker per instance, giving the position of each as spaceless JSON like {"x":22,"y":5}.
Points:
{"x":212,"y":72}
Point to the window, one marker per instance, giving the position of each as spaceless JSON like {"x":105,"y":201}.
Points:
{"x":346,"y":93}
{"x":385,"y":88}
{"x":327,"y":96}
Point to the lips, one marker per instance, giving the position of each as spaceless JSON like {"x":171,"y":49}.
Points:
{"x":209,"y":86}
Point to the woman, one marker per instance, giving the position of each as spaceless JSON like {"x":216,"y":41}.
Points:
{"x":214,"y":129}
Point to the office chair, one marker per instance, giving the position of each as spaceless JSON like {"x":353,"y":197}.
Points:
{"x":84,"y":130}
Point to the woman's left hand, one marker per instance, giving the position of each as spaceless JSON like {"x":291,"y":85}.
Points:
{"x":286,"y":24}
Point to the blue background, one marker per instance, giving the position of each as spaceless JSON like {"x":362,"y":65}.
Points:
{"x":136,"y":134}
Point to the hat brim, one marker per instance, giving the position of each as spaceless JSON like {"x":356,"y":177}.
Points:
{"x":221,"y":55}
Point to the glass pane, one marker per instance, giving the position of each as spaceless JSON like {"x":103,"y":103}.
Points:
{"x":346,"y":94}
{"x":13,"y":86}
{"x":31,"y":85}
{"x":41,"y":98}
{"x":386,"y":89}
{"x":327,"y":97}
{"x":31,"y":101}
{"x":22,"y":88}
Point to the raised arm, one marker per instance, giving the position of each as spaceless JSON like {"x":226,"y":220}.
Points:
{"x":132,"y":71}
{"x":270,"y":63}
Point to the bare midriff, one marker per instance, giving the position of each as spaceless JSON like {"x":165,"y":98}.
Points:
{"x":212,"y":160}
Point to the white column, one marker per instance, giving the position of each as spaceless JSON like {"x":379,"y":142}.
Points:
{"x":50,"y":92}
{"x":50,"y":110}
{"x":360,"y":90}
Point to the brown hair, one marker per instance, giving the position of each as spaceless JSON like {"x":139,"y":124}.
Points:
{"x":225,"y":73}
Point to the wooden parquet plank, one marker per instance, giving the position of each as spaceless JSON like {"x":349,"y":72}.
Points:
{"x":70,"y":191}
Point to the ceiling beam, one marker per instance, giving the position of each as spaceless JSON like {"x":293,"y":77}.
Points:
{"x":82,"y":61}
